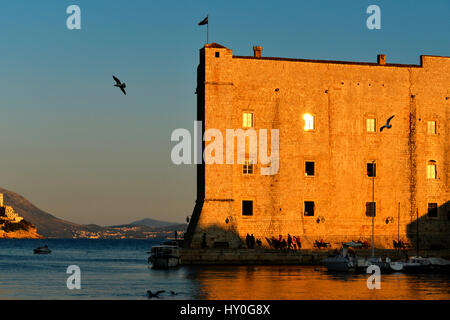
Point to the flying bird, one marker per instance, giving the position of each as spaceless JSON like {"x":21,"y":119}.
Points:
{"x":120,"y":85}
{"x":387,"y":125}
{"x":154,"y":295}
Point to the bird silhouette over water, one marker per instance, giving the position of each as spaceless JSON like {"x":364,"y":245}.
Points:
{"x":154,"y":295}
{"x":173,"y":292}
{"x":387,"y":125}
{"x":120,"y":85}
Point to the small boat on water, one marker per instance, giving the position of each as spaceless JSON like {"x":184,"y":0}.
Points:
{"x":387,"y":266}
{"x":426,"y":265}
{"x":440,"y":264}
{"x":350,"y":262}
{"x":417,"y":265}
{"x":164,"y":256}
{"x":42,"y":250}
{"x":343,"y":261}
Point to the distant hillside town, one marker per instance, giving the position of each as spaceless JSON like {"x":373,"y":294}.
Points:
{"x":7,"y":212}
{"x":21,"y":214}
{"x":14,"y":226}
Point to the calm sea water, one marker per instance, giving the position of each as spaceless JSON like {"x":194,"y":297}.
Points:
{"x":118,"y":269}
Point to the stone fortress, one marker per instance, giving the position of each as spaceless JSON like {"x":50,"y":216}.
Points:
{"x":7,"y":213}
{"x":331,"y":151}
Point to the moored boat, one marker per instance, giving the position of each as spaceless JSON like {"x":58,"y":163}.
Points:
{"x":387,"y":266}
{"x":418,"y":264}
{"x":342,"y":261}
{"x":164,"y":256}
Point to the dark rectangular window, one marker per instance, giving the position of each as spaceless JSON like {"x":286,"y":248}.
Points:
{"x":217,"y":54}
{"x":309,"y":208}
{"x":371,"y":169}
{"x":370,"y":206}
{"x":247,"y":207}
{"x":309,"y":168}
{"x":432,"y":210}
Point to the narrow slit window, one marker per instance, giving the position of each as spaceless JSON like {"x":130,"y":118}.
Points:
{"x":309,"y":168}
{"x":431,"y":170}
{"x":371,"y":169}
{"x":247,"y":207}
{"x":309,"y":208}
{"x":247,"y":120}
{"x":371,"y":125}
{"x":371,"y":209}
{"x":431,"y":127}
{"x":432,"y":210}
{"x":309,"y":122}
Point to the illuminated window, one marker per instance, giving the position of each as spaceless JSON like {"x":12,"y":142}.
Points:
{"x":247,"y":207}
{"x":432,"y":127}
{"x":248,"y":167}
{"x":309,"y":168}
{"x":432,"y":210}
{"x":431,"y":169}
{"x":371,"y":125}
{"x":309,"y":122}
{"x":309,"y":208}
{"x":247,"y":120}
{"x":371,"y":209}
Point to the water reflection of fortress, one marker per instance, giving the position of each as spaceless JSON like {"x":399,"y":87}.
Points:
{"x":328,"y":114}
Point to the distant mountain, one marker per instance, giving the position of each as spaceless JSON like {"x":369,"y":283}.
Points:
{"x":152,"y":223}
{"x":53,"y":227}
{"x":46,"y":224}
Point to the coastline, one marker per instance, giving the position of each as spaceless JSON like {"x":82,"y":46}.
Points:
{"x":261,"y":256}
{"x":21,"y":234}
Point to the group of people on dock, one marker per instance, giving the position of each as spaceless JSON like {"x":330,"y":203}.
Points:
{"x":289,"y":243}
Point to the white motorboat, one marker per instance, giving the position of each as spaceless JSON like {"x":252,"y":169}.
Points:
{"x":417,"y":265}
{"x":164,"y":256}
{"x":343,"y":261}
{"x":440,"y":264}
{"x":386,"y":266}
{"x":425,"y":265}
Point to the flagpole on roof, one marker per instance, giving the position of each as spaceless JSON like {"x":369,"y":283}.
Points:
{"x":202,"y":23}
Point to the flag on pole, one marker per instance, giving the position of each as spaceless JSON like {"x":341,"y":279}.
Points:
{"x":203,"y":22}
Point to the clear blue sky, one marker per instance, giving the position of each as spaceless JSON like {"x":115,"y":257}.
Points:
{"x":79,"y":149}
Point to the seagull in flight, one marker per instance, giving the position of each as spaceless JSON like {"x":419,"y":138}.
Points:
{"x":120,"y":85}
{"x":387,"y":125}
{"x":154,"y":295}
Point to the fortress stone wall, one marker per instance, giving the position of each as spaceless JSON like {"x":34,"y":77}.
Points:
{"x":341,"y":96}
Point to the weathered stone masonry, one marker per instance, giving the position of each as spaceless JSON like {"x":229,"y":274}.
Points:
{"x":341,"y":96}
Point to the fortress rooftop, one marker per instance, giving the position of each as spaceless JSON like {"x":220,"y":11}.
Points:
{"x":381,"y":58}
